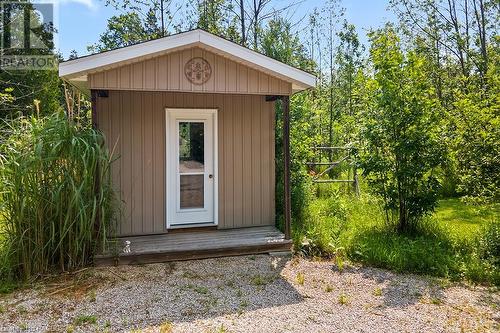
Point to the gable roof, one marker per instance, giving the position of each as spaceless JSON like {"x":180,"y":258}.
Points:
{"x":76,"y":70}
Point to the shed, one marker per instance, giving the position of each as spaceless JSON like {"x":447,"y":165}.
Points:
{"x":191,"y":119}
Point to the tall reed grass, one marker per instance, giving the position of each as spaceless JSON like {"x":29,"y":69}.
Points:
{"x":56,"y":201}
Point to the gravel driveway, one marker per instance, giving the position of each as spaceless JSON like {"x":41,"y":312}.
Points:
{"x":249,"y":294}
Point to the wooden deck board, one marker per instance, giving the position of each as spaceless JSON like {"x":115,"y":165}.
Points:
{"x":197,"y":245}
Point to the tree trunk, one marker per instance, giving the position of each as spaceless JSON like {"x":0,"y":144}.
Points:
{"x":243,"y":32}
{"x":162,"y":19}
{"x":481,"y":26}
{"x":403,"y":221}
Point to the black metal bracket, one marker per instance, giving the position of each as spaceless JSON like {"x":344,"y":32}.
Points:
{"x":272,"y":98}
{"x":103,"y":93}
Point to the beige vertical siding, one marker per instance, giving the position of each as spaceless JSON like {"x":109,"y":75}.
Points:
{"x":134,"y":125}
{"x":166,"y":73}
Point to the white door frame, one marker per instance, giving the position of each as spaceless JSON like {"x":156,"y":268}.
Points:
{"x":170,"y":203}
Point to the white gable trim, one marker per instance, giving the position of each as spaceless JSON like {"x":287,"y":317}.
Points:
{"x":79,"y":68}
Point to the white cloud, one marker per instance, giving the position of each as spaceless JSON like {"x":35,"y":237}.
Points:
{"x":87,"y":3}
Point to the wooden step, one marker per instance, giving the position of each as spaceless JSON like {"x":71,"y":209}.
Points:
{"x":198,"y":245}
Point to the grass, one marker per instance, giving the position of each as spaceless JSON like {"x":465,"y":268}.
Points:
{"x":462,"y":220}
{"x":85,"y":320}
{"x":199,"y":289}
{"x":55,"y":197}
{"x":258,"y":280}
{"x":262,"y":280}
{"x":446,"y":245}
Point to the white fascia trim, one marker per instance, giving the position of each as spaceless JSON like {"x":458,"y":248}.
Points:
{"x":80,"y":67}
{"x":304,"y":79}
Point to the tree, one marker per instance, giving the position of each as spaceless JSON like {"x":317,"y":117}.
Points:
{"x":217,"y":17}
{"x":461,"y":28}
{"x":349,"y":75}
{"x":401,"y":132}
{"x":20,"y":88}
{"x":476,"y":143}
{"x":159,"y":13}
{"x":124,"y":30}
{"x":459,"y":39}
{"x":279,"y":42}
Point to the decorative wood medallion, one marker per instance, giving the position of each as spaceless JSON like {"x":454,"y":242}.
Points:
{"x":197,"y":71}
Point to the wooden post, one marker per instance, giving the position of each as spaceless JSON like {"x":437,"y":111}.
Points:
{"x":285,"y":102}
{"x":97,"y":180}
{"x":356,"y":181}
{"x":93,"y":100}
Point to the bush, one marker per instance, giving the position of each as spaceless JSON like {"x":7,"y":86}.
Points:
{"x":489,"y":242}
{"x":56,"y":198}
{"x":318,"y":232}
{"x":401,"y":132}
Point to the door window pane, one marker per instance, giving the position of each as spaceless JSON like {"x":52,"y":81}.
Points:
{"x":191,"y":147}
{"x":192,"y":191}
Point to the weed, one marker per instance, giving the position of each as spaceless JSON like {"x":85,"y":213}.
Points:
{"x":328,"y":288}
{"x":340,"y":258}
{"x":222,"y":329}
{"x":436,"y":301}
{"x":300,"y":278}
{"x":243,"y":304}
{"x":7,"y":286}
{"x":258,"y":280}
{"x":70,"y":329}
{"x":92,"y":296}
{"x":377,"y":292}
{"x":343,"y":300}
{"x":209,"y":302}
{"x":166,"y":327}
{"x":85,"y":320}
{"x":23,"y":326}
{"x":201,"y":290}
{"x":339,"y":261}
{"x":190,"y":275}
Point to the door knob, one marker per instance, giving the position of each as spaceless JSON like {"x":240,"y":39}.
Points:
{"x":210,"y":176}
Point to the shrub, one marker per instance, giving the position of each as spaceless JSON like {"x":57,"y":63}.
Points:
{"x":319,"y":230}
{"x":489,"y":242}
{"x":56,"y":198}
{"x":401,"y":132}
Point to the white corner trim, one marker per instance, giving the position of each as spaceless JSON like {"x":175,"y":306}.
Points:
{"x":82,"y":66}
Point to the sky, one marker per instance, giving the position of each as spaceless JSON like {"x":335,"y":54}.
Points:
{"x":81,"y":22}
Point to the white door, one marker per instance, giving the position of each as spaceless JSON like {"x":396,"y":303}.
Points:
{"x":191,"y":167}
